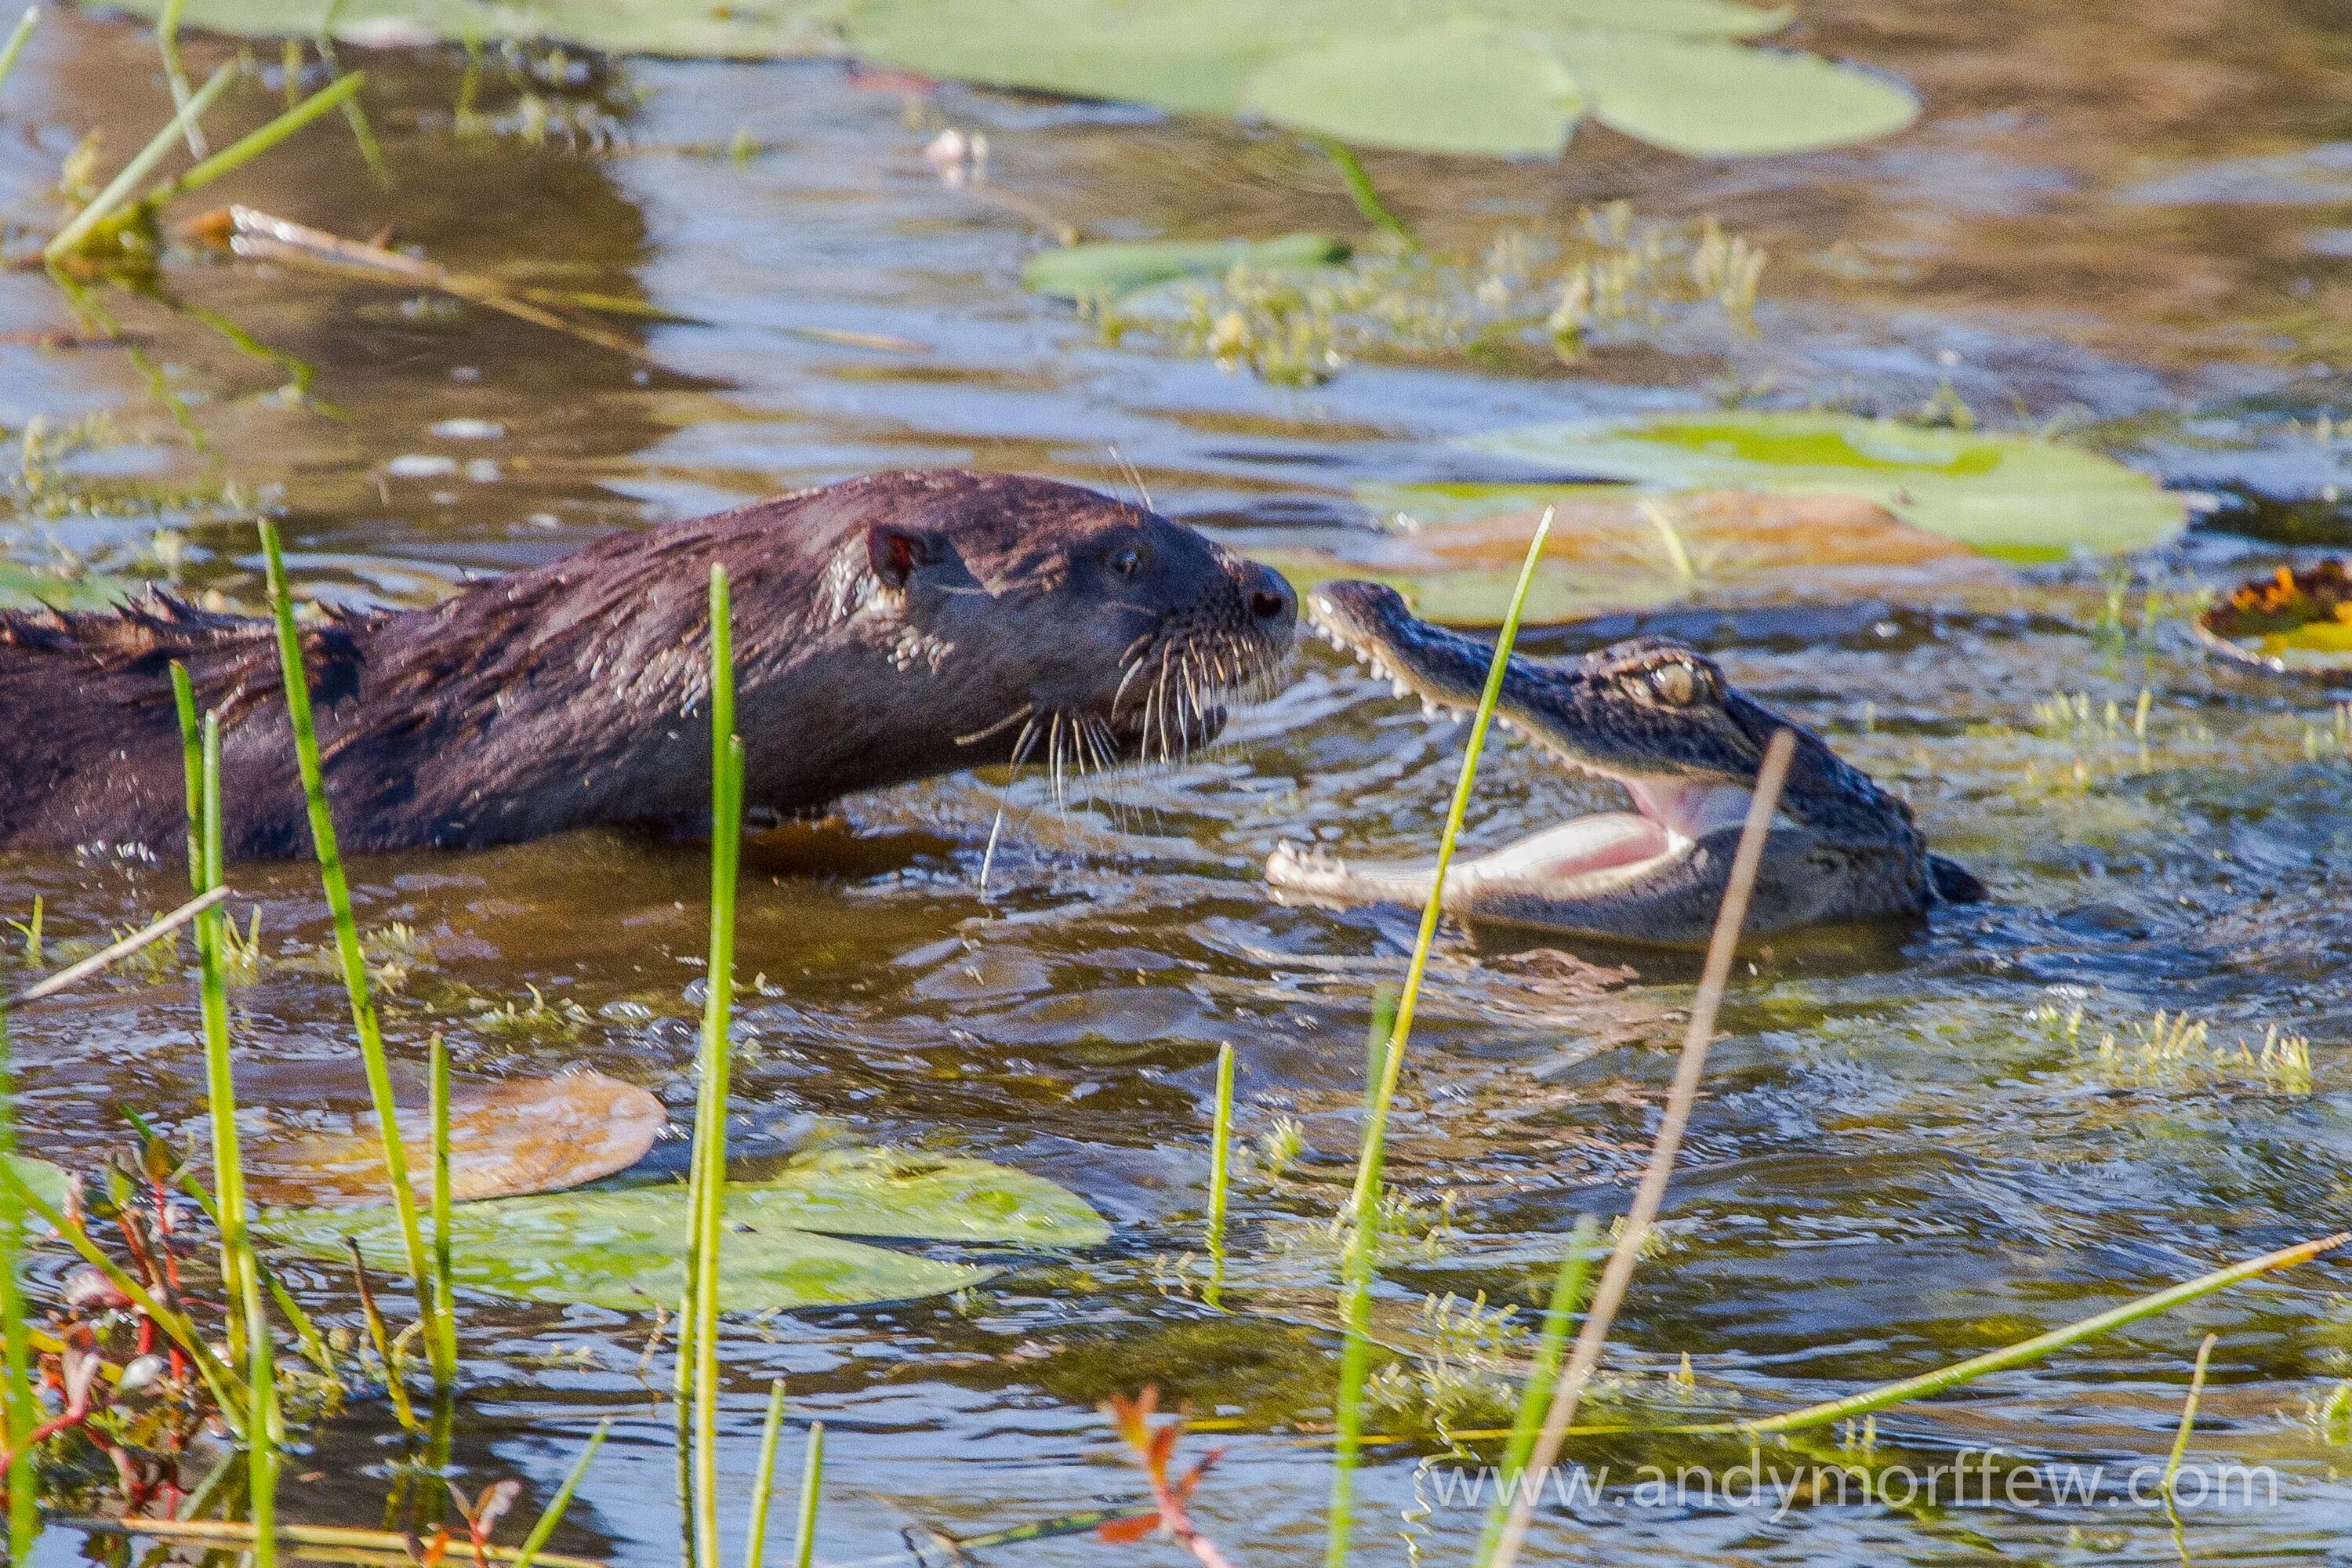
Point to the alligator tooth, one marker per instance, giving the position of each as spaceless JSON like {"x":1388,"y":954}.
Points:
{"x":1398,"y":687}
{"x":1428,"y":709}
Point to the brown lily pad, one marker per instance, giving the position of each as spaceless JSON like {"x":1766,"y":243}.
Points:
{"x":2289,"y":623}
{"x":1457,"y":550}
{"x":506,"y":1140}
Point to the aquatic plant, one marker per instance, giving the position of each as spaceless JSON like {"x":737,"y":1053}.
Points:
{"x":1531,"y":300}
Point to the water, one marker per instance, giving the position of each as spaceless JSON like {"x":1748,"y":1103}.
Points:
{"x":1904,"y":1157}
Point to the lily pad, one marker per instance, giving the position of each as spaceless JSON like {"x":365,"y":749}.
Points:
{"x":1107,"y":270}
{"x":46,"y":1181}
{"x":506,"y":1140}
{"x":2015,"y":496}
{"x":625,"y":1248}
{"x":24,"y":588}
{"x":1612,"y":550}
{"x":1491,"y":77}
{"x":1461,"y":86}
{"x":2294,"y":622}
{"x":1712,"y":98}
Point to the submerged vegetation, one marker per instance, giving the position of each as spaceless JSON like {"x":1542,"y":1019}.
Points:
{"x":1530,"y":300}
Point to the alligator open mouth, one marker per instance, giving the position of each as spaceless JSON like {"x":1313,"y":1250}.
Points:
{"x":1585,"y":716}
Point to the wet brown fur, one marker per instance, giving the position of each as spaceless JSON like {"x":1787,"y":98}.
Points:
{"x":576,"y":693}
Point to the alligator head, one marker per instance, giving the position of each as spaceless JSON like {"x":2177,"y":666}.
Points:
{"x":1659,"y":719}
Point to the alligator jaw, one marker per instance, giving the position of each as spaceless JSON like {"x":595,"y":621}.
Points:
{"x":1597,"y":852}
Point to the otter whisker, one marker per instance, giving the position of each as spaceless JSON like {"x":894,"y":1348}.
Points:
{"x":976,"y":736}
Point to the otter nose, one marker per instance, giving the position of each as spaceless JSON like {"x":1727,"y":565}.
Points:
{"x":1271,"y":602}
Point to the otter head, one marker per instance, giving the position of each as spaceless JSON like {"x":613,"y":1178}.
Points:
{"x":1066,"y":626}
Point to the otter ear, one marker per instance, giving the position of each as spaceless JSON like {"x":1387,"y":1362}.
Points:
{"x":898,"y":553}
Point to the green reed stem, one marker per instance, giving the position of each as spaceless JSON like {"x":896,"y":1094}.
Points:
{"x":254,"y":143}
{"x":239,"y":1270}
{"x":1534,"y":1395}
{"x":553,"y":1514}
{"x":353,"y":960}
{"x":763,"y":1479}
{"x":707,"y":1198}
{"x":1361,"y":191}
{"x":1220,"y":1164}
{"x":1650,"y":1193}
{"x":167,"y":43}
{"x":16,"y":39}
{"x":811,"y":1483}
{"x":2187,"y":1415}
{"x":1363,"y":1204}
{"x":444,"y":1290}
{"x":2027,"y":1351}
{"x":19,"y":1409}
{"x":71,"y":238}
{"x":314,"y":1344}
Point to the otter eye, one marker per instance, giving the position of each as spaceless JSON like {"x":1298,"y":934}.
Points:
{"x":1675,"y":684}
{"x":1127,"y":560}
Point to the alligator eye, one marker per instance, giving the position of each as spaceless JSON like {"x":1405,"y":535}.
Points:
{"x":1675,"y":684}
{"x":1126,"y":561}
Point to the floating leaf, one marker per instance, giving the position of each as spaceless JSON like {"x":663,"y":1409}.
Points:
{"x":1479,"y":77}
{"x":1461,"y":86}
{"x":46,"y":1181}
{"x":1712,"y":98}
{"x":625,"y":1248}
{"x":1097,"y":271}
{"x":24,"y":587}
{"x":1609,"y":551}
{"x":741,"y":29}
{"x":506,"y":1140}
{"x":1676,"y":19}
{"x":2292,"y":622}
{"x":2015,"y":496}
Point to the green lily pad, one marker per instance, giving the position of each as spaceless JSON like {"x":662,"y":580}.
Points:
{"x":1463,"y":85}
{"x":625,"y":1248}
{"x":2015,"y":496}
{"x":24,"y":588}
{"x":741,"y":29}
{"x":46,"y":1181}
{"x":1505,"y":77}
{"x":1097,"y":272}
{"x":1708,"y":98}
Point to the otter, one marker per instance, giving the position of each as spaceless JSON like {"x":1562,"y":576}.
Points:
{"x":887,"y":629}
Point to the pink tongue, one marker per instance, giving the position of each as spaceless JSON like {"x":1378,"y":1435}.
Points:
{"x":1587,"y":844}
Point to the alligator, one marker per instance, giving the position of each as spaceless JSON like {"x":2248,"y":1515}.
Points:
{"x":1659,"y":719}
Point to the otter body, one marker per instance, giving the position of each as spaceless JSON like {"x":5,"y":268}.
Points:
{"x":887,"y":629}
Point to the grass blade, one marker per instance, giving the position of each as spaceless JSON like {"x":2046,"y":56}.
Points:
{"x":254,"y":143}
{"x":155,"y":931}
{"x":19,"y":1409}
{"x":553,"y":1514}
{"x":763,"y":1479}
{"x":167,"y":43}
{"x":353,"y":960}
{"x":16,"y":39}
{"x":2041,"y":1346}
{"x":1363,"y":1205}
{"x":239,"y":1271}
{"x":445,"y":1292}
{"x":1220,"y":1156}
{"x":1651,"y":1193}
{"x":2187,"y":1415}
{"x":1535,"y":1398}
{"x":707,"y":1197}
{"x":75,"y":234}
{"x":811,"y":1483}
